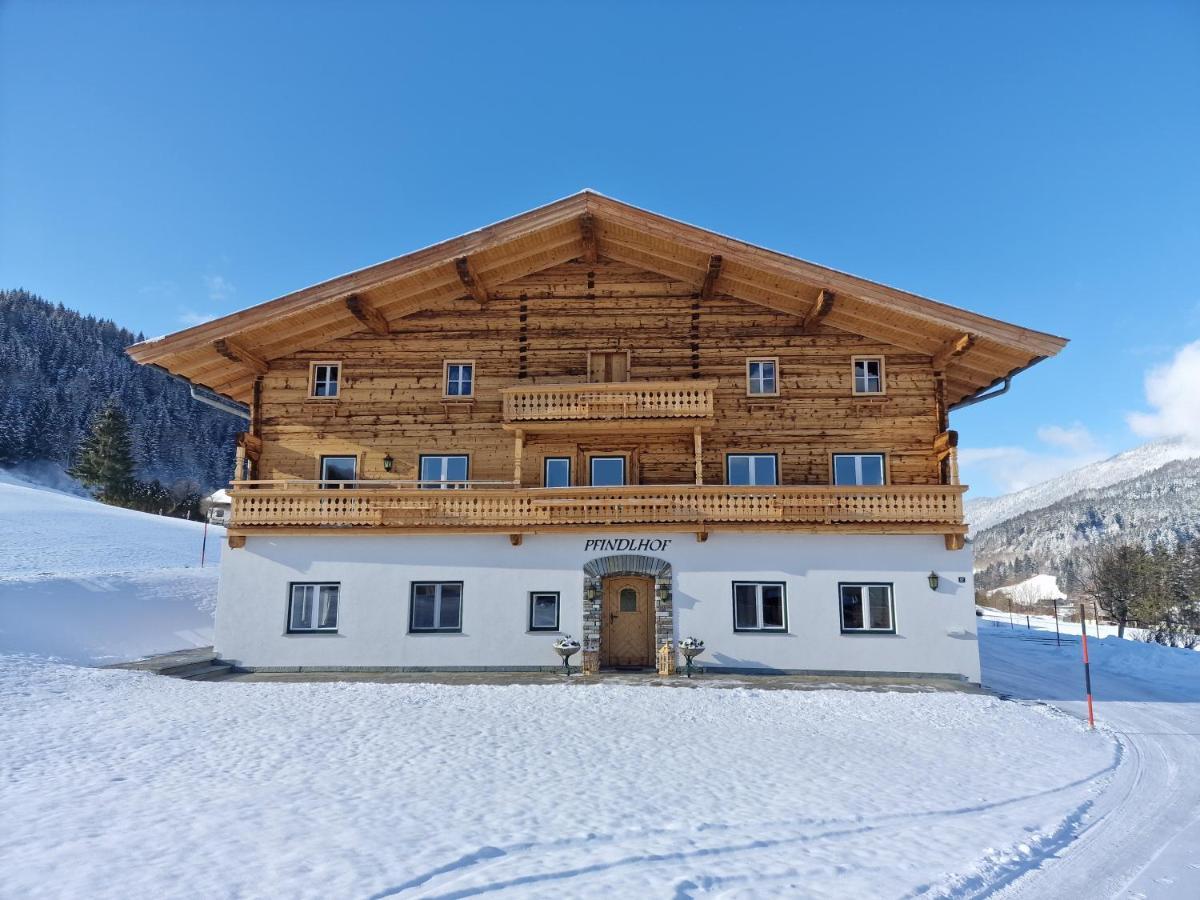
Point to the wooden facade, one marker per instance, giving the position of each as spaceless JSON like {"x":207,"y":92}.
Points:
{"x":543,"y":306}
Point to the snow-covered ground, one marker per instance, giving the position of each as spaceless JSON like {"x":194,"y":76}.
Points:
{"x":85,"y":582}
{"x":1033,"y":590}
{"x":1141,"y":838}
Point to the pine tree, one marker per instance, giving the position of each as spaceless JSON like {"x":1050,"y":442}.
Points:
{"x":104,"y":461}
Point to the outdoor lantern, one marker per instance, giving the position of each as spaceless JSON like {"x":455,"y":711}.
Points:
{"x":387,"y":463}
{"x":933,"y":581}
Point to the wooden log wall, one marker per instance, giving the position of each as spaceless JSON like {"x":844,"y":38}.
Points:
{"x":391,"y":391}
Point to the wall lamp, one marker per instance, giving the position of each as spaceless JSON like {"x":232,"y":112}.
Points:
{"x":933,"y":581}
{"x":388,"y":462}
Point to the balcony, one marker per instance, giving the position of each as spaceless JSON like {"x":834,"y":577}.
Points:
{"x":636,"y":404}
{"x":264,"y":507}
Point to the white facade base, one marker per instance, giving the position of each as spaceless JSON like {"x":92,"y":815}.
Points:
{"x":934,"y":629}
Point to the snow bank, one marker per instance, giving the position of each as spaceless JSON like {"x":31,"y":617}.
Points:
{"x":1031,"y":591}
{"x":85,"y":582}
{"x":131,"y":785}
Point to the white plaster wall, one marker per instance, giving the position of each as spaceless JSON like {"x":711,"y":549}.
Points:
{"x":935,"y":631}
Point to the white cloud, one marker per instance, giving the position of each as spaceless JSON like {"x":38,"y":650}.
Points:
{"x":1074,"y":437}
{"x":1006,"y":469}
{"x":1173,"y":392}
{"x":189,"y":317}
{"x":219,"y":287}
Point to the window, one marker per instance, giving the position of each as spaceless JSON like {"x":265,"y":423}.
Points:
{"x":607,"y":471}
{"x":443,"y":471}
{"x":323,"y":379}
{"x":543,"y":611}
{"x":858,"y":468}
{"x":867,"y":607}
{"x":436,"y":606}
{"x":338,"y":468}
{"x":751,"y":468}
{"x":556,"y":471}
{"x":312,"y":607}
{"x":608,"y":365}
{"x":762,"y":377}
{"x":759,"y":606}
{"x":628,"y":600}
{"x":459,"y":377}
{"x":868,"y":375}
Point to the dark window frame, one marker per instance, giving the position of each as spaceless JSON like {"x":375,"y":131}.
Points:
{"x":730,"y":454}
{"x":445,"y":485}
{"x":292,"y":585}
{"x":623,"y":457}
{"x":546,"y":460}
{"x":557,"y":611}
{"x":333,"y":483}
{"x":412,"y":608}
{"x":782,"y":585}
{"x":890,"y":585}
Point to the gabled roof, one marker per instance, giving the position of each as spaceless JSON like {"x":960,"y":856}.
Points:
{"x":226,"y":354}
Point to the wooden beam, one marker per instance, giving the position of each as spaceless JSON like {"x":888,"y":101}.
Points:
{"x":237,"y":541}
{"x":466,"y":274}
{"x":515,"y":539}
{"x":710,"y":278}
{"x":952,"y":351}
{"x":955,"y":541}
{"x":518,"y":455}
{"x":944,"y":443}
{"x":820,"y":310}
{"x":235,"y":352}
{"x":587,"y":230}
{"x":250,"y":444}
{"x":698,"y":445}
{"x":367,"y":314}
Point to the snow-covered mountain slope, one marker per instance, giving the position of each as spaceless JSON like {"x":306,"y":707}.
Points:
{"x":985,"y":512}
{"x":1037,"y":589}
{"x":86,"y":582}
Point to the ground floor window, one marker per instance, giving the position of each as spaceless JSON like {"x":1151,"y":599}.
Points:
{"x":543,"y":611}
{"x":312,"y":607}
{"x":759,"y":606}
{"x":436,"y":606}
{"x":867,"y":608}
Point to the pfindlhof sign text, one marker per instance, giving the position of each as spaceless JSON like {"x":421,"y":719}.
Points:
{"x":627,"y":544}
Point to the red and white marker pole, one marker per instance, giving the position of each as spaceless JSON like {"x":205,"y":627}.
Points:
{"x":1087,"y":667}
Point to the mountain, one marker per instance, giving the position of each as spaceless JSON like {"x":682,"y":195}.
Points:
{"x":58,"y":368}
{"x":988,"y":511}
{"x":1158,"y":507}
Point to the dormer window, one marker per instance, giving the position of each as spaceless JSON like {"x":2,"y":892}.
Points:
{"x":459,"y":378}
{"x":324,"y":379}
{"x":762,"y":376}
{"x":868,"y":375}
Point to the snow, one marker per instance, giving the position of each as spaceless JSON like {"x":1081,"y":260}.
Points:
{"x":85,"y":582}
{"x":984,"y":512}
{"x":1032,"y":590}
{"x":133,"y":785}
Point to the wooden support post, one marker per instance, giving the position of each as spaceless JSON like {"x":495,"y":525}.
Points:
{"x":952,"y":459}
{"x":238,"y":353}
{"x":819,"y":311}
{"x":710,"y":278}
{"x":698,"y":443}
{"x":466,"y":274}
{"x":587,"y":231}
{"x":367,"y":314}
{"x":518,"y":453}
{"x":239,"y":463}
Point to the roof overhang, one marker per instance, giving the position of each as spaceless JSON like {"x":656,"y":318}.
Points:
{"x":227,"y":354}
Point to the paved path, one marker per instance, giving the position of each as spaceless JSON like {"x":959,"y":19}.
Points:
{"x":1141,"y":838}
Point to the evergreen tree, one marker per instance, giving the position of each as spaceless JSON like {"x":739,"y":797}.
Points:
{"x":104,"y":461}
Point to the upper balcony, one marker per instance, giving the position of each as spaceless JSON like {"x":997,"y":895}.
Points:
{"x":643,"y":405}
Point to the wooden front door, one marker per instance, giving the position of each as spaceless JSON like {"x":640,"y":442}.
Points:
{"x":627,"y":622}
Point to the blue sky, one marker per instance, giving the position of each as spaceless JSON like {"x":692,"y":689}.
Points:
{"x":160,"y":163}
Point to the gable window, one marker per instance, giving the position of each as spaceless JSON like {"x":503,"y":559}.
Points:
{"x":336,"y":469}
{"x":312,"y":607}
{"x":868,"y":375}
{"x":867,"y":607}
{"x":324,"y":379}
{"x":459,"y":378}
{"x":762,"y":377}
{"x":443,"y":471}
{"x":556,"y":471}
{"x":751,"y":468}
{"x":607,"y":471}
{"x":759,"y":606}
{"x":858,"y":468}
{"x":436,"y":606}
{"x":543,"y":611}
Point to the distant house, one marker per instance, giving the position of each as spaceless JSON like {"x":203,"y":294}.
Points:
{"x":591,"y":419}
{"x":215,"y":507}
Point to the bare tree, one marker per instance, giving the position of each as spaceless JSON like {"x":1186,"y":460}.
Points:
{"x":1120,"y":579}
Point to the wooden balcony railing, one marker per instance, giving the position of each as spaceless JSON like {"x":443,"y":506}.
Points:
{"x":384,"y":505}
{"x":618,"y":400}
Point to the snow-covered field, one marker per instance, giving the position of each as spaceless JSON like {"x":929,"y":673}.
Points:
{"x":85,"y":582}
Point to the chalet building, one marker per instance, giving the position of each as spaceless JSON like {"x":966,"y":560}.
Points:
{"x":593,"y":420}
